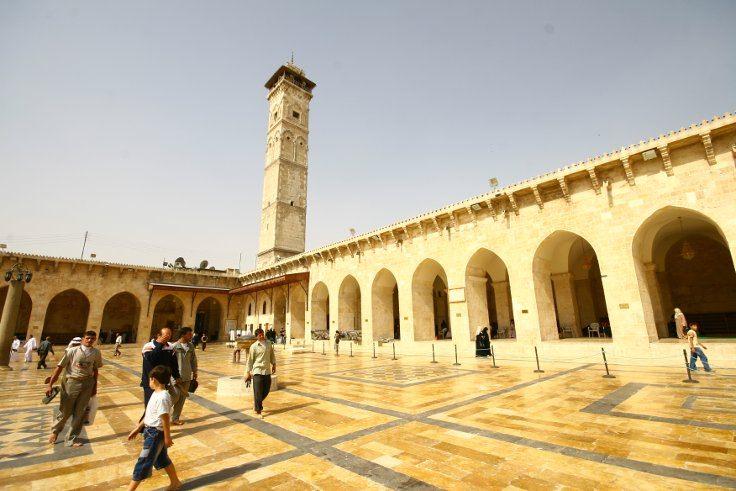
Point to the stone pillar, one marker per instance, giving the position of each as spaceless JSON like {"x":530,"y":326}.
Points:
{"x":477,"y":306}
{"x":503,"y":304}
{"x":406,"y":311}
{"x":9,"y":320}
{"x":655,"y":297}
{"x":94,"y":319}
{"x":567,"y":312}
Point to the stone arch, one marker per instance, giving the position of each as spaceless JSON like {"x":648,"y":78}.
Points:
{"x":24,"y":314}
{"x":488,"y":295}
{"x":348,"y":305}
{"x":66,"y":316}
{"x":568,"y":287}
{"x":430,"y":304}
{"x":168,"y":312}
{"x":120,"y":316}
{"x":385,"y":306}
{"x":682,"y":259}
{"x":208,"y":318}
{"x":320,"y":311}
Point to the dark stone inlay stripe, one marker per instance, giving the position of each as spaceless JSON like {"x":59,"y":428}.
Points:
{"x":607,"y":404}
{"x":380,"y":474}
{"x":637,"y":465}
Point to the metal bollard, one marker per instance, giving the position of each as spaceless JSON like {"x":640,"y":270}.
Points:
{"x":493,"y":357}
{"x":605,"y":362}
{"x":337,"y":349}
{"x":393,"y":345}
{"x":689,"y":379}
{"x":323,"y":348}
{"x":536,"y":355}
{"x":374,"y":350}
{"x":351,"y":349}
{"x":456,"y":362}
{"x":433,"y":360}
{"x":312,"y":346}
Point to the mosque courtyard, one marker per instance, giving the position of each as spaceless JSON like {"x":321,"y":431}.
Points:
{"x":341,"y":422}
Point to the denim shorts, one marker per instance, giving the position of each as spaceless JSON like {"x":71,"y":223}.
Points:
{"x":154,"y":454}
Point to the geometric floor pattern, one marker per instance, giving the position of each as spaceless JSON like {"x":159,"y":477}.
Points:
{"x":363,"y":423}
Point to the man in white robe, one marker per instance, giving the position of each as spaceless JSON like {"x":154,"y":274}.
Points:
{"x":14,"y":348}
{"x":30,"y":347}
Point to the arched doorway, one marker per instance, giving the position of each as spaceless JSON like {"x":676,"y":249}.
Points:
{"x":169,"y":312}
{"x":120,"y":316}
{"x":488,"y":295}
{"x":320,"y":312}
{"x":569,"y":291}
{"x":683,"y":260}
{"x":66,"y":316}
{"x":24,"y":313}
{"x":430,"y":303}
{"x":348,"y":306}
{"x":385,"y":306}
{"x":207,"y":318}
{"x":297,"y":308}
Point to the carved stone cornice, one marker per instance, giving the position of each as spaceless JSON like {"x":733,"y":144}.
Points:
{"x":594,"y":180}
{"x":538,"y":197}
{"x":708,"y":144}
{"x":665,"y":153}
{"x":512,"y":201}
{"x":627,"y":170}
{"x":563,"y":187}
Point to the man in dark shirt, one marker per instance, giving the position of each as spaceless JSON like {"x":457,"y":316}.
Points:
{"x":43,"y":351}
{"x":158,"y":352}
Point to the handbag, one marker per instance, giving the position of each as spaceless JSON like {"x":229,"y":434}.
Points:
{"x":193,"y":386}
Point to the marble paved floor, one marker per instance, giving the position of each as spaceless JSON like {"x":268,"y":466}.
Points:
{"x":363,"y":423}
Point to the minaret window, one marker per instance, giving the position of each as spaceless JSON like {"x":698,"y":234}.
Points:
{"x":295,"y":114}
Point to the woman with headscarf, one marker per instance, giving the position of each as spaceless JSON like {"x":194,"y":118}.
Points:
{"x":486,"y":342}
{"x":479,"y":342}
{"x":680,"y":323}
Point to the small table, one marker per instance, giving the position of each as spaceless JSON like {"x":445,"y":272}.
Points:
{"x":242,"y":344}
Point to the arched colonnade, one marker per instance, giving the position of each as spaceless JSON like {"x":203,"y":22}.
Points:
{"x":680,"y":258}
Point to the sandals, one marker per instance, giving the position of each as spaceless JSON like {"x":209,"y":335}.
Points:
{"x":54,"y":391}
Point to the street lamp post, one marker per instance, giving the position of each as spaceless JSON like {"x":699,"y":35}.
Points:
{"x":16,"y":277}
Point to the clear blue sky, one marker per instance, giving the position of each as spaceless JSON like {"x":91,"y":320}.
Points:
{"x":145,"y":122}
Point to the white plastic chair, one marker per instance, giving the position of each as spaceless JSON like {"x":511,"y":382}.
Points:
{"x":594,"y":328}
{"x":567,"y":330}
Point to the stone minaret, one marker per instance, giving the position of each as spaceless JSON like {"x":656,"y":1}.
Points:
{"x":284,"y":206}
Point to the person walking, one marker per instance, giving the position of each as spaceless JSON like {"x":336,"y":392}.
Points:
{"x":14,"y":348}
{"x":43,"y":351}
{"x":30,"y":347}
{"x":80,"y":364}
{"x":337,"y":341}
{"x":260,"y":356}
{"x":271,"y":334}
{"x":204,"y":341}
{"x":680,"y":324}
{"x":158,"y":352}
{"x":118,"y":342}
{"x":696,"y":349}
{"x":186,"y":359}
{"x":156,"y":429}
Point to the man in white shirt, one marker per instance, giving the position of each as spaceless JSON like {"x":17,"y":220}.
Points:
{"x":14,"y":348}
{"x":261,"y":364}
{"x":30,"y":347}
{"x":696,"y":349}
{"x":118,"y":342}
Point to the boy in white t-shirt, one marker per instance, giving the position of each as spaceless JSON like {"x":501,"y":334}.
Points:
{"x":156,"y":427}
